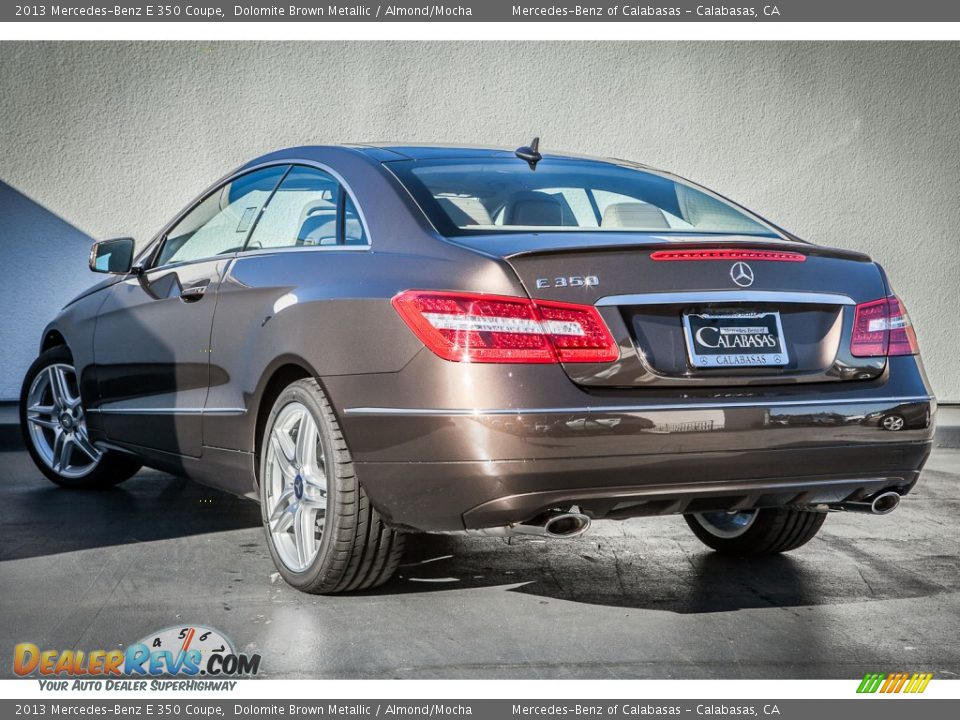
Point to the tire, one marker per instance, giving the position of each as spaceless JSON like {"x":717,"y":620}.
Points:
{"x":768,"y":531}
{"x":310,"y":487}
{"x":54,"y":428}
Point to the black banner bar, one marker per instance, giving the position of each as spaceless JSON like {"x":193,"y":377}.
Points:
{"x":365,"y":709}
{"x":483,"y":11}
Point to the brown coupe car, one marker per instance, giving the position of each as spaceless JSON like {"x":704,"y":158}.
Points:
{"x":381,"y":339}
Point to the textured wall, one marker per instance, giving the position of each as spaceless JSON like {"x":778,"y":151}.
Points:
{"x":848,"y":144}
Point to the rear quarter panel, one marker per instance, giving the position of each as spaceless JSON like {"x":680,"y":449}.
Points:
{"x":327,"y":311}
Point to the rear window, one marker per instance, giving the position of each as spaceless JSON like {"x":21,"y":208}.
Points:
{"x":474,"y":196}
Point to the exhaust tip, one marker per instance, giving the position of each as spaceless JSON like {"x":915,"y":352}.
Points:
{"x":567,"y":525}
{"x":885,"y":503}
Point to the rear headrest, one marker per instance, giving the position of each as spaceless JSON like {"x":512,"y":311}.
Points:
{"x":634,"y":215}
{"x":534,"y":209}
{"x":465,"y":210}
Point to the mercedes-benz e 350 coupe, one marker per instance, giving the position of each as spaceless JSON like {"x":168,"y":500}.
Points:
{"x":376,"y":340}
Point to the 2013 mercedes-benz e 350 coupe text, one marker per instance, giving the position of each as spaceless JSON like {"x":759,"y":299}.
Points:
{"x":382,"y":339}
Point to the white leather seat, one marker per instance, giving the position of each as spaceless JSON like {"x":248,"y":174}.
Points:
{"x":634,"y":215}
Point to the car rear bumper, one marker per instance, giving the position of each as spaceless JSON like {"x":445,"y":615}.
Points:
{"x":439,"y":497}
{"x":772,"y":457}
{"x":446,"y":469}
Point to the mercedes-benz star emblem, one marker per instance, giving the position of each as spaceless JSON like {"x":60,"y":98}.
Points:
{"x":742,"y":274}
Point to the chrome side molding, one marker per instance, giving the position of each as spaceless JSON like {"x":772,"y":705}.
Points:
{"x":625,"y":409}
{"x":168,"y":411}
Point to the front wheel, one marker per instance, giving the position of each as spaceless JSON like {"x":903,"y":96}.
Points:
{"x":323,"y":534}
{"x":54,"y":426}
{"x":766,"y":531}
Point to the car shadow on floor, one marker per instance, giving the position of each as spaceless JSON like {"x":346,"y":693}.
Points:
{"x":674,"y":576}
{"x":38,"y":519}
{"x":661,"y":568}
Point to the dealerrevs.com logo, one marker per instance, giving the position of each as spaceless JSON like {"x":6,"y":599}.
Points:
{"x":182,"y":652}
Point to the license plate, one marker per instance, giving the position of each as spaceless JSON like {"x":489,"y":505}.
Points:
{"x":735,"y":340}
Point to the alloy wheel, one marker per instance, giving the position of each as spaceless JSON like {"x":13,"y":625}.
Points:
{"x":295,"y":487}
{"x":893,"y":423}
{"x":57,"y":425}
{"x":726,"y":524}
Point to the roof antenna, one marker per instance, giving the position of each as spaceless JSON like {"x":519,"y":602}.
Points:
{"x":530,"y":153}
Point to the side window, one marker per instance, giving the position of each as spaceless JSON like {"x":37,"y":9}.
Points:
{"x":220,"y":223}
{"x":302,"y":212}
{"x":353,"y":233}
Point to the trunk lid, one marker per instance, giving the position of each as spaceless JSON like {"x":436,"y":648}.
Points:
{"x":795,"y":315}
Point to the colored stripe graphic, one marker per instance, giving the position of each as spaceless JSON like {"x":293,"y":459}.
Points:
{"x":889,"y":683}
{"x":919,"y":684}
{"x":894,"y":683}
{"x":901,"y":679}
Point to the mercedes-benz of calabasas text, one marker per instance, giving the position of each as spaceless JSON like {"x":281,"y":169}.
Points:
{"x":376,"y":340}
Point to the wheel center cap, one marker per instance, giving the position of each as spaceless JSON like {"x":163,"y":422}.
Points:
{"x":298,"y":486}
{"x":66,"y":420}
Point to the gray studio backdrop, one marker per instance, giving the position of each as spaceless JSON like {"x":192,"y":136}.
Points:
{"x":848,"y":144}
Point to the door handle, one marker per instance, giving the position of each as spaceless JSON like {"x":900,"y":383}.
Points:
{"x":192,"y":294}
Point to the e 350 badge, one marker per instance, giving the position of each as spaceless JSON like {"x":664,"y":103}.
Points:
{"x":179,"y":651}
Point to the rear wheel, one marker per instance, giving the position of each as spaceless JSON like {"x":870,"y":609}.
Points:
{"x":756,"y":532}
{"x":322,"y":532}
{"x":54,"y":426}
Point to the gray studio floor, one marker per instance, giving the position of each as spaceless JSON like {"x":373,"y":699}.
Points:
{"x":634,"y":599}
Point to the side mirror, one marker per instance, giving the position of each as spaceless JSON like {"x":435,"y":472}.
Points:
{"x":113,"y":256}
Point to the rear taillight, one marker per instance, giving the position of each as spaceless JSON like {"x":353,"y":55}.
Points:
{"x":882,"y":327}
{"x":727,"y":254}
{"x":470,"y":327}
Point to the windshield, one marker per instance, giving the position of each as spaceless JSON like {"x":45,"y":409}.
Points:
{"x":475,"y":196}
